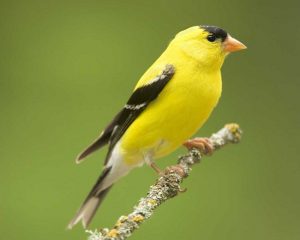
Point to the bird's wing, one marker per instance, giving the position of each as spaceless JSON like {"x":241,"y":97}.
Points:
{"x":137,"y":103}
{"x":102,"y":140}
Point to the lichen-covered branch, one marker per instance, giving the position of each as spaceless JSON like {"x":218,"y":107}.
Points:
{"x":166,"y":187}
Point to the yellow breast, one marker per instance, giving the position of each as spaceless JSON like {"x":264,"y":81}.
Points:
{"x":180,"y":110}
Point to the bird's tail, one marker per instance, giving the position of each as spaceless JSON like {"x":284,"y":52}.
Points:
{"x":90,"y":205}
{"x":115,"y":169}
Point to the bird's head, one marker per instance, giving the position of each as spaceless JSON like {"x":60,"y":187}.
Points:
{"x":208,"y":44}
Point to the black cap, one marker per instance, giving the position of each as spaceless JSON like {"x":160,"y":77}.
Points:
{"x":216,"y":31}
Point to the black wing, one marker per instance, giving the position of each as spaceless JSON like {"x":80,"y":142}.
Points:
{"x":136,"y":104}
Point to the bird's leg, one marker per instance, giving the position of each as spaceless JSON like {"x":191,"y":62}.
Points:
{"x":149,"y":160}
{"x":203,"y":144}
{"x":156,"y":168}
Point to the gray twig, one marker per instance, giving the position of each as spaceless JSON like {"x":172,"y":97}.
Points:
{"x":166,"y":187}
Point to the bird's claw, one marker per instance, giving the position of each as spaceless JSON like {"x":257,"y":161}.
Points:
{"x":180,"y":171}
{"x":182,"y":190}
{"x":203,"y":144}
{"x":177,"y":169}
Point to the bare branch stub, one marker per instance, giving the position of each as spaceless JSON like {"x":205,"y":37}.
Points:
{"x":166,"y":187}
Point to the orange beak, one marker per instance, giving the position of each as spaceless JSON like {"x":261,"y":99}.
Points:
{"x":232,"y":45}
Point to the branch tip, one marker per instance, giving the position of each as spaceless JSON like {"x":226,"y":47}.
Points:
{"x":235,"y":130}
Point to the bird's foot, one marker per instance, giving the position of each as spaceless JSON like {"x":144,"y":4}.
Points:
{"x":176,"y":169}
{"x":180,"y":171}
{"x":203,"y":144}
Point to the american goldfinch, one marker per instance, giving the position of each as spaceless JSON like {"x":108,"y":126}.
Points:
{"x":170,"y":102}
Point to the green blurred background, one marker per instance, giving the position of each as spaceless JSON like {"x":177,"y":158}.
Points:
{"x":68,"y":66}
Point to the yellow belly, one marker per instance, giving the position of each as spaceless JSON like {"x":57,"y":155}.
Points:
{"x":180,"y":110}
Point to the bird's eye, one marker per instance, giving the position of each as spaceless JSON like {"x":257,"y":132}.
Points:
{"x":211,"y":38}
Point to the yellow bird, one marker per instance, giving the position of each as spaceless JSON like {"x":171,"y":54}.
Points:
{"x":170,"y":102}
